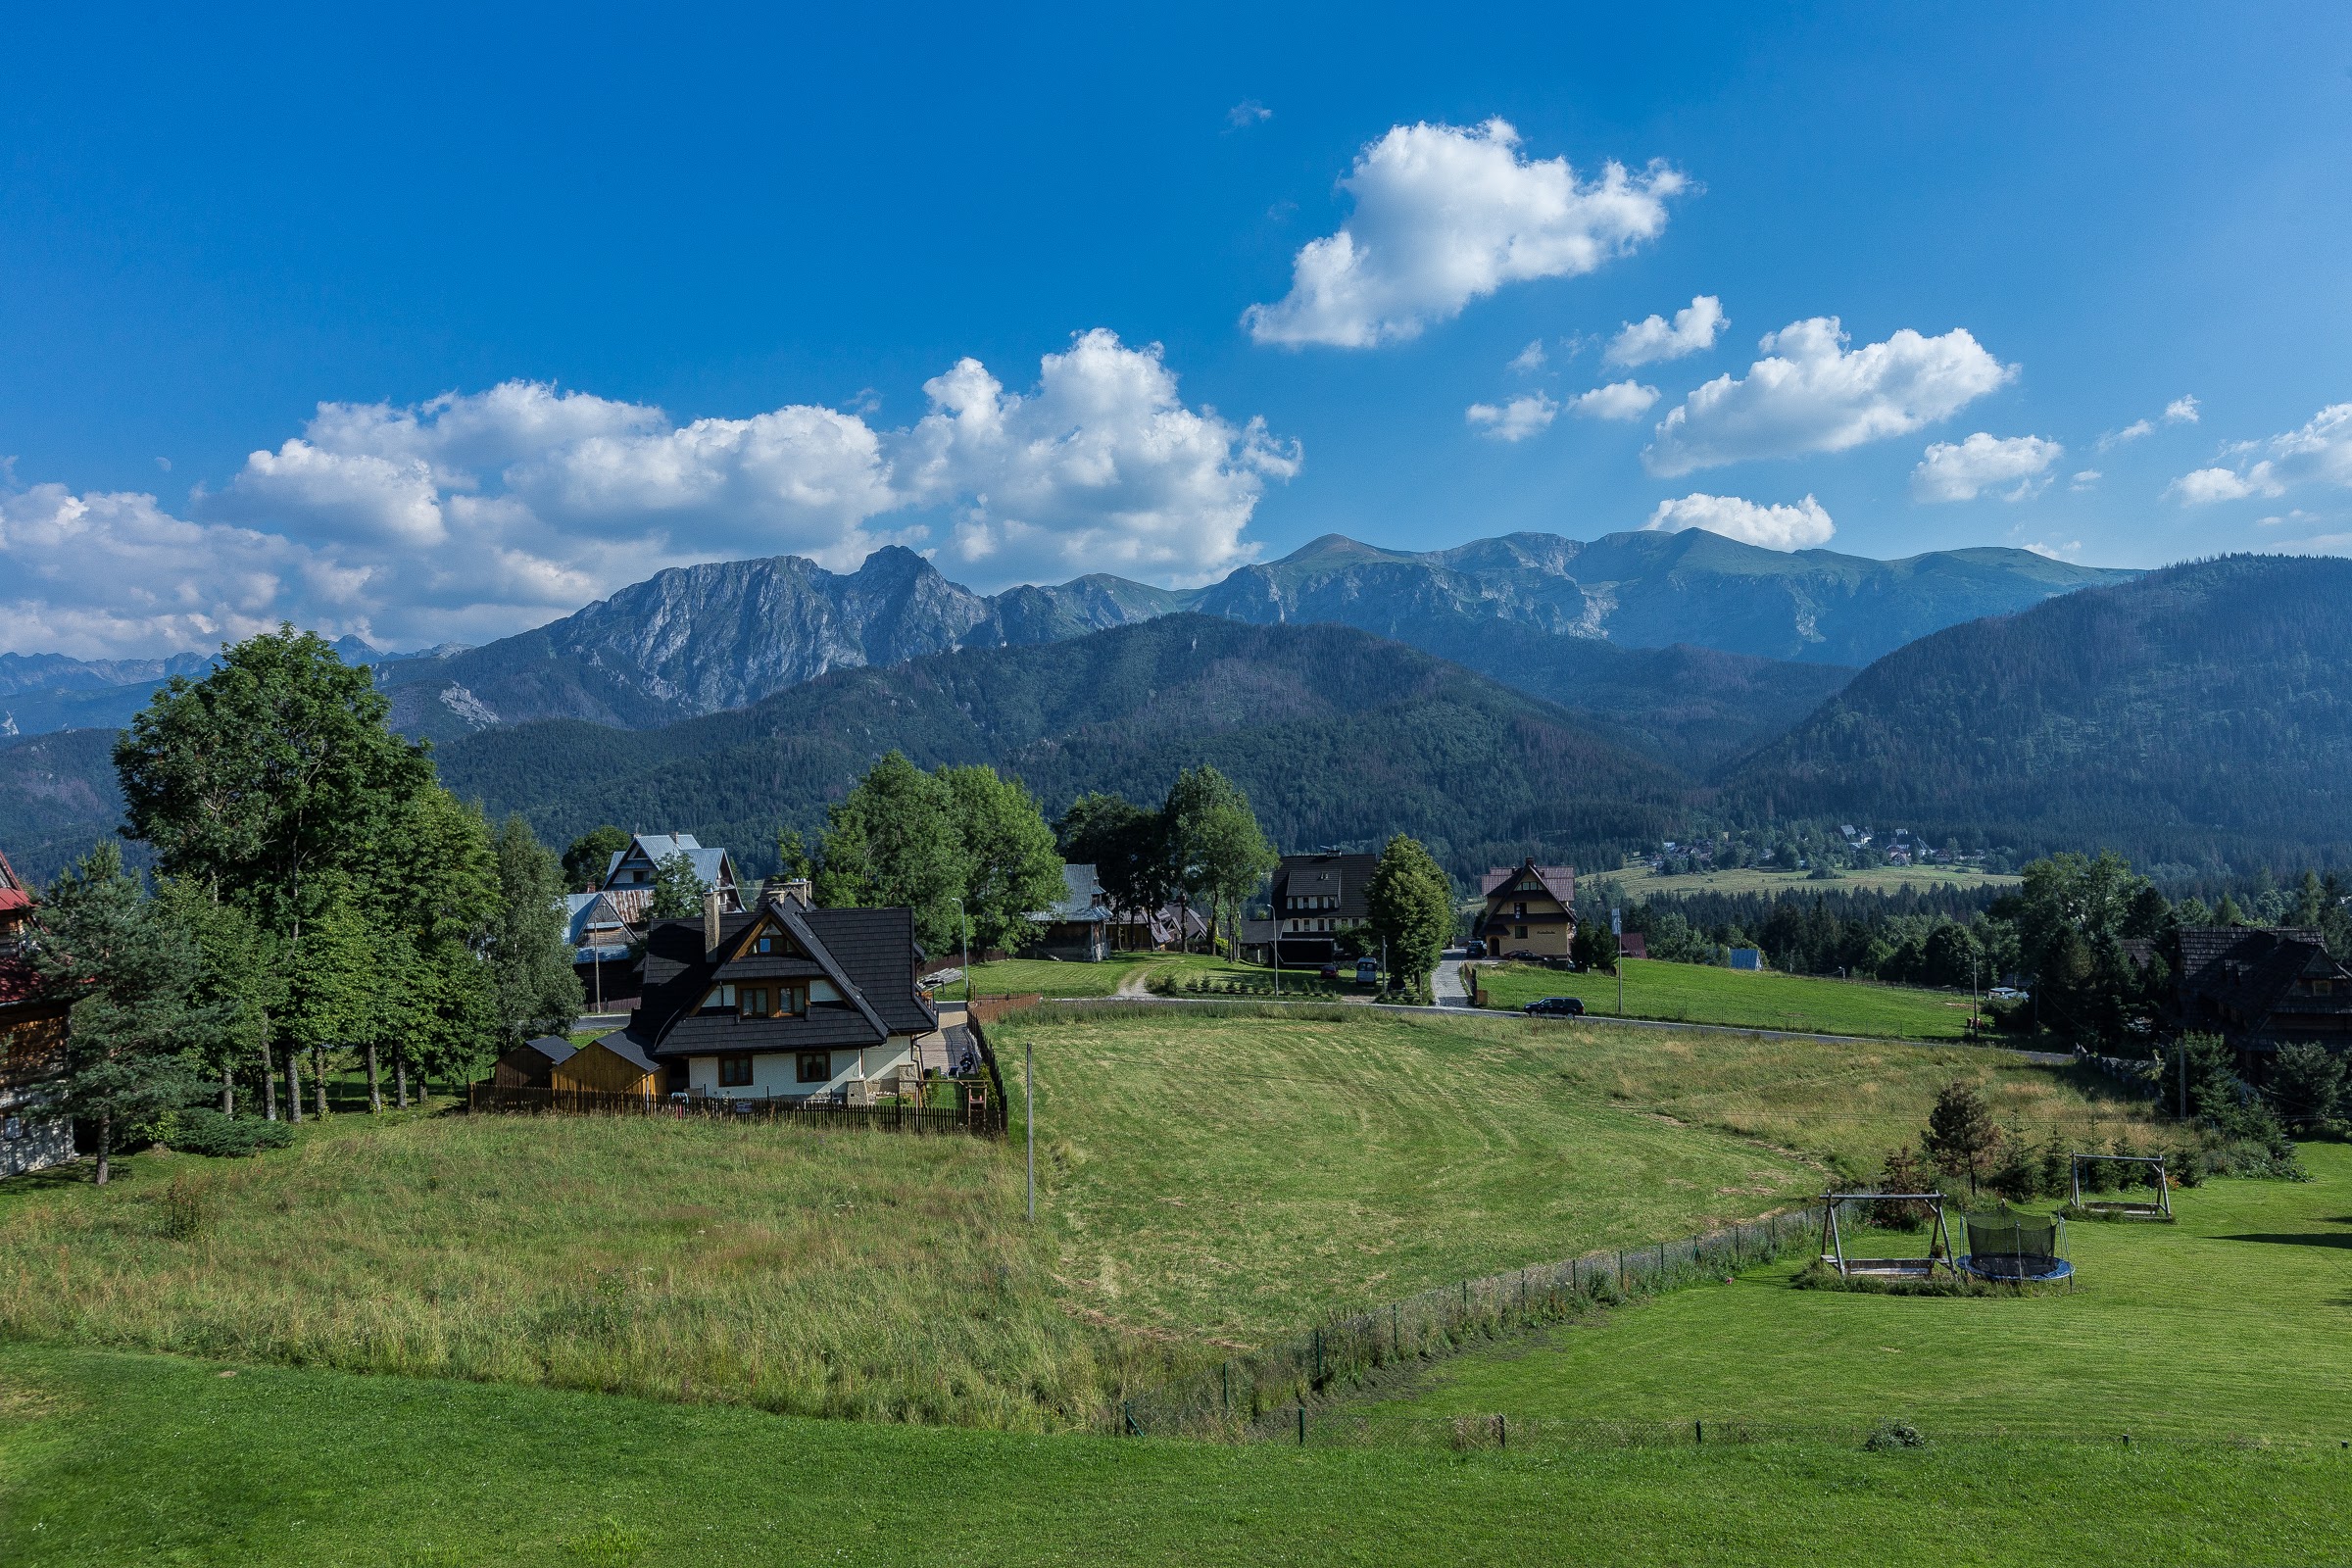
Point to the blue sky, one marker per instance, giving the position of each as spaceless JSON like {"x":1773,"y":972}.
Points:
{"x":701,"y":287}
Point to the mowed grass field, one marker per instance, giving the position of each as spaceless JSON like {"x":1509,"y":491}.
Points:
{"x":1643,"y":883}
{"x":1210,"y":1176}
{"x":1230,"y":1173}
{"x":1693,"y":993}
{"x":1055,"y":978}
{"x":110,"y":1458}
{"x":2237,"y":1321}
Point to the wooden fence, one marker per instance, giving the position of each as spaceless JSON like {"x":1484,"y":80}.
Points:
{"x":983,"y":1120}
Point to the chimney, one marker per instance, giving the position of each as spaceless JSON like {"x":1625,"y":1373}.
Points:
{"x":711,"y":922}
{"x":801,"y":892}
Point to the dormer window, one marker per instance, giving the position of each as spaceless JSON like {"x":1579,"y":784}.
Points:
{"x":721,"y":999}
{"x":764,"y":945}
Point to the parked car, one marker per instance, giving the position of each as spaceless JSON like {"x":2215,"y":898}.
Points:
{"x":1557,"y":1008}
{"x":1367,"y":971}
{"x":1521,"y":955}
{"x":1330,"y":971}
{"x":2006,"y":994}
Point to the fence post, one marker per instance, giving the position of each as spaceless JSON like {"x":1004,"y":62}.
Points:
{"x":1302,"y":1424}
{"x":1318,"y":1359}
{"x":1502,"y":1432}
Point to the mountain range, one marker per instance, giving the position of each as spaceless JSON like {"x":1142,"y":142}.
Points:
{"x":1335,"y":735}
{"x":43,"y":693}
{"x":1529,"y":609}
{"x":2199,"y":716}
{"x":2187,"y":717}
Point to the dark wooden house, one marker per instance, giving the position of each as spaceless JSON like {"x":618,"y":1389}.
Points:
{"x":782,"y":1002}
{"x":2260,"y":989}
{"x":1318,"y":899}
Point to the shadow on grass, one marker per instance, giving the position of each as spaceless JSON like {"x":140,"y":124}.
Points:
{"x":2293,"y":1239}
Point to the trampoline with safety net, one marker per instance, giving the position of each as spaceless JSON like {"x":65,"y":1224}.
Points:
{"x":2016,"y":1248}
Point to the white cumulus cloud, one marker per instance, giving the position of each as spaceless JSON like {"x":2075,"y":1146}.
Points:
{"x":1959,"y":471}
{"x":1514,"y":421}
{"x":1775,"y":527}
{"x":1619,"y":400}
{"x":1529,"y":360}
{"x":1445,"y":215}
{"x":2181,"y":411}
{"x":474,"y":514}
{"x":2318,"y":454}
{"x":1655,"y":338}
{"x":1810,"y":393}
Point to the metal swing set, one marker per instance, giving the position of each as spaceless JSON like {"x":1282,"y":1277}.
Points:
{"x":2162,"y":1208}
{"x":1833,"y":1240}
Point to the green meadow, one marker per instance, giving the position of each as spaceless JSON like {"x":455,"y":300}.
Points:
{"x":2236,"y":1320}
{"x":1695,"y":993}
{"x":112,"y":1459}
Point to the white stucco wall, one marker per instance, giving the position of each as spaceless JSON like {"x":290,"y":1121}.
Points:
{"x":778,"y":1073}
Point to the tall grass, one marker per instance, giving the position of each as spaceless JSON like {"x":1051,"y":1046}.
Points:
{"x":867,"y":1274}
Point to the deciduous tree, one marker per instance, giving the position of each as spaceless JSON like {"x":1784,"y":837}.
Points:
{"x":893,"y":841}
{"x":584,"y":861}
{"x":1011,"y":869}
{"x":537,"y":990}
{"x":1411,"y":909}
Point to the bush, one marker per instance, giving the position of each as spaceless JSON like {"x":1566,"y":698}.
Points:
{"x":208,"y":1131}
{"x":1893,"y":1436}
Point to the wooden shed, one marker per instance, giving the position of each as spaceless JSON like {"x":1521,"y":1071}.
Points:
{"x":613,"y":1065}
{"x":531,"y":1064}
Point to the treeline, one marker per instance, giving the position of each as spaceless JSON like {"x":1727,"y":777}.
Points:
{"x":1914,"y":936}
{"x":319,"y":901}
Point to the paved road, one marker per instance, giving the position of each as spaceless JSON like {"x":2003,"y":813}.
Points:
{"x":1447,"y":984}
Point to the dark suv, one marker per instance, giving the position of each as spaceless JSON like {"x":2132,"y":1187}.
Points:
{"x":1557,"y":1008}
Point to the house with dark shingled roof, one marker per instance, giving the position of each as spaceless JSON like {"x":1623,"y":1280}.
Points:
{"x":782,"y":1002}
{"x":2261,"y":987}
{"x":1529,"y":908}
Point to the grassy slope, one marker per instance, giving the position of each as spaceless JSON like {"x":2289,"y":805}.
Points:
{"x":1643,"y":883}
{"x":1844,"y":1104}
{"x":2233,"y":1321}
{"x":1695,"y":993}
{"x":1233,"y":1175}
{"x":1208,"y":1174}
{"x":108,"y":1458}
{"x":862,"y":1274}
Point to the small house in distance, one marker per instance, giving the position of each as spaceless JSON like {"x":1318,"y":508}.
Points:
{"x":1079,"y":927}
{"x":636,"y":865}
{"x":2260,"y":989}
{"x":1317,"y":899}
{"x":531,"y":1064}
{"x":1529,"y":908}
{"x":599,"y":927}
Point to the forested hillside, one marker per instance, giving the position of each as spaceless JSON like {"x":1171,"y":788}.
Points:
{"x":1338,"y":737}
{"x":2200,"y":716}
{"x":57,"y":795}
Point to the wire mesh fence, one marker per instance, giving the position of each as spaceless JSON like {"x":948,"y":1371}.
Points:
{"x":1257,"y":1393}
{"x":1337,"y":1429}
